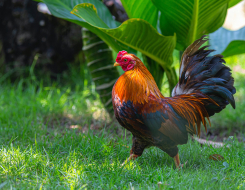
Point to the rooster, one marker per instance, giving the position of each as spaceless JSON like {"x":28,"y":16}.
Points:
{"x":204,"y":88}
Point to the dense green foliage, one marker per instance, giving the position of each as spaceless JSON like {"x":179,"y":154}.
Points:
{"x":149,"y":21}
{"x":98,"y":20}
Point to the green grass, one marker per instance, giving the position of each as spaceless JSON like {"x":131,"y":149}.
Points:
{"x":49,"y":141}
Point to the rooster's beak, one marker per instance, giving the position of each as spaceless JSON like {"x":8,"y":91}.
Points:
{"x":116,"y":64}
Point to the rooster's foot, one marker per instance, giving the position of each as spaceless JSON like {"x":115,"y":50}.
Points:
{"x":131,"y":157}
{"x":177,"y":162}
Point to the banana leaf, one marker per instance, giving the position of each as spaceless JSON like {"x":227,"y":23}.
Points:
{"x":190,"y":19}
{"x":227,"y":42}
{"x":134,"y":33}
{"x":143,"y":9}
{"x":233,"y":3}
{"x":100,"y":65}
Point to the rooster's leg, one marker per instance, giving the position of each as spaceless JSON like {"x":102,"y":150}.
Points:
{"x":177,"y":161}
{"x":173,"y":152}
{"x":137,"y":149}
{"x":131,"y":157}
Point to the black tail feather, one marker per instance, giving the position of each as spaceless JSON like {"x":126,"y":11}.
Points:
{"x":206,"y":74}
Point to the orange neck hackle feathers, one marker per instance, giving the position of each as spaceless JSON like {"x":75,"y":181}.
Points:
{"x":137,"y":83}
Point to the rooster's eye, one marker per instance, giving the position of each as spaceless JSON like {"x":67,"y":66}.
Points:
{"x":125,"y":60}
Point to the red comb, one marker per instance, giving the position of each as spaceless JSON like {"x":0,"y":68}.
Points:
{"x":120,"y":54}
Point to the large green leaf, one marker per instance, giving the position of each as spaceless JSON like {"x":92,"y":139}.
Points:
{"x":62,"y":9}
{"x":135,"y":33}
{"x":233,"y":3}
{"x":143,"y":9}
{"x":190,"y":19}
{"x":234,"y":48}
{"x":227,"y":42}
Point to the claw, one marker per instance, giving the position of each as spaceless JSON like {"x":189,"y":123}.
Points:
{"x":131,"y":157}
{"x":177,"y":162}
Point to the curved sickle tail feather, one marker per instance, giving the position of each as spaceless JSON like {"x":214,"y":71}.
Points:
{"x":206,"y":75}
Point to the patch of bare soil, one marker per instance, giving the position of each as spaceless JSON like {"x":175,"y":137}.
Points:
{"x":222,"y":134}
{"x":67,"y":121}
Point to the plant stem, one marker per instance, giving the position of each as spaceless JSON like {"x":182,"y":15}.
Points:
{"x":172,"y":78}
{"x":193,"y":29}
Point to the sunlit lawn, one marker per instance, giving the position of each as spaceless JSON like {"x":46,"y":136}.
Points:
{"x":53,"y":138}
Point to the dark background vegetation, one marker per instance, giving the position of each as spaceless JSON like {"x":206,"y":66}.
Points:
{"x":26,"y":32}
